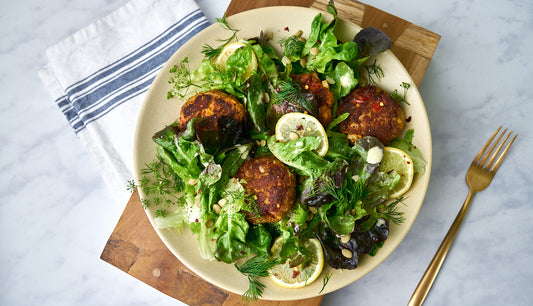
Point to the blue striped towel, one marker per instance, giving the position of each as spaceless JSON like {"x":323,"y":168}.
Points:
{"x":99,"y":76}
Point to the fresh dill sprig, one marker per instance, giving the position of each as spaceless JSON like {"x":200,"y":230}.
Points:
{"x":210,"y":52}
{"x":401,"y":98}
{"x":293,"y":46}
{"x":160,"y":185}
{"x":181,"y":80}
{"x":255,"y":268}
{"x":374,"y":72}
{"x":347,"y":195}
{"x":391,"y":212}
{"x":325,"y":280}
{"x":291,"y":93}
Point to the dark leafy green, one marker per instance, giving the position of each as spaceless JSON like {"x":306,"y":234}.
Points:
{"x":371,"y":41}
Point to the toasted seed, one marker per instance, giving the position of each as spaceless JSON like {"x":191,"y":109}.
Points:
{"x":325,"y":84}
{"x":347,"y":253}
{"x":298,"y":33}
{"x":192,"y":181}
{"x":267,"y":97}
{"x":313,"y":209}
{"x":314,"y":51}
{"x":210,"y":223}
{"x":217,"y":208}
{"x":345,"y":238}
{"x":293,"y":136}
{"x":222,"y":202}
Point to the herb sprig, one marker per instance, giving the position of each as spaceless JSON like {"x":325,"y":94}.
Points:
{"x":255,"y":268}
{"x":160,"y":184}
{"x":391,"y":212}
{"x":210,"y":52}
{"x":325,"y":280}
{"x":374,"y":72}
{"x":401,"y":97}
{"x":181,"y":81}
{"x":291,"y":93}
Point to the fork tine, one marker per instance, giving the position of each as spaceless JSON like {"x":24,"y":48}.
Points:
{"x":482,"y":151}
{"x":495,"y":167}
{"x":483,"y":162}
{"x":496,"y":153}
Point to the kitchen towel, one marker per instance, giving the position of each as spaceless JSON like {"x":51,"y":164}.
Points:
{"x":99,"y":76}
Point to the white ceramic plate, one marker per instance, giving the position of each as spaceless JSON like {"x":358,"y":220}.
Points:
{"x":157,"y":112}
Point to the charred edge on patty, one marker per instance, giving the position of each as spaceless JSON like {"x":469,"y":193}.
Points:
{"x":210,"y":106}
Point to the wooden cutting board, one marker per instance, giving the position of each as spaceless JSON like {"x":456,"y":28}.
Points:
{"x":134,"y":246}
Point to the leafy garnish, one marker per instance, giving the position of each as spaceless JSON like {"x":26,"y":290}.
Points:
{"x":161,"y":186}
{"x":325,"y":280}
{"x":211,"y":52}
{"x":406,"y":144}
{"x":181,"y":79}
{"x":401,"y":97}
{"x":391,"y":212}
{"x":292,"y":94}
{"x":255,"y":268}
{"x":374,"y":72}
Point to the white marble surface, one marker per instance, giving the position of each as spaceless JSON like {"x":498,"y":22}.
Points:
{"x":56,"y":214}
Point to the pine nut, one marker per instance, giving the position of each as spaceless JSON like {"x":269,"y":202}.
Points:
{"x":347,"y":253}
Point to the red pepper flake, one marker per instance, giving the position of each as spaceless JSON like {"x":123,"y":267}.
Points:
{"x":377,"y":106}
{"x":196,"y":220}
{"x":286,"y":29}
{"x":295,"y":273}
{"x":299,"y":127}
{"x":408,"y":162}
{"x":408,"y":119}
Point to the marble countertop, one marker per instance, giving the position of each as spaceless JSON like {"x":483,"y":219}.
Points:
{"x":56,"y":213}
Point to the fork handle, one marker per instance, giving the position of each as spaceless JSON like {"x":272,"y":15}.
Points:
{"x":429,"y":276}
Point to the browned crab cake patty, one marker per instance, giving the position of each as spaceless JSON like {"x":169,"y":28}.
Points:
{"x":373,"y":112}
{"x":311,"y":83}
{"x":273,"y":186}
{"x":211,"y":105}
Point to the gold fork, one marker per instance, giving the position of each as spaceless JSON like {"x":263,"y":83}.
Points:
{"x":478,"y":177}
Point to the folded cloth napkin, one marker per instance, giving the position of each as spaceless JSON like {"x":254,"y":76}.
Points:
{"x":99,"y":76}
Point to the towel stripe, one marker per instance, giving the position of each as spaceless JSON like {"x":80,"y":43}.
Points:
{"x":96,"y":95}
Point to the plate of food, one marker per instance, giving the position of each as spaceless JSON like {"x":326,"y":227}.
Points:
{"x":283,"y":158}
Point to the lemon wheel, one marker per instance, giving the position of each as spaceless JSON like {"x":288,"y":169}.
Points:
{"x":397,"y":160}
{"x":297,"y":277}
{"x":292,"y":126}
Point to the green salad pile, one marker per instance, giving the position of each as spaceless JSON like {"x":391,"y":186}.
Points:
{"x":190,"y":182}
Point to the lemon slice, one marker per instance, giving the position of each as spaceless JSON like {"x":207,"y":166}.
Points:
{"x":229,"y":50}
{"x":397,"y":160}
{"x":292,"y":126}
{"x":297,"y":277}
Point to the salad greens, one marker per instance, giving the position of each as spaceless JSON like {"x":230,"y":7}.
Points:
{"x":340,"y":195}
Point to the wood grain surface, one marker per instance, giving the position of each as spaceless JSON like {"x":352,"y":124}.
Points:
{"x":134,"y":246}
